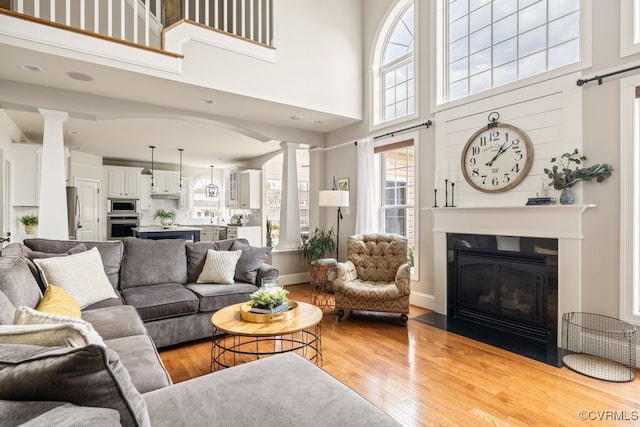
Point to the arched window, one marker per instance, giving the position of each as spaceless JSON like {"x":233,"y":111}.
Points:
{"x":202,"y":205}
{"x":394,"y":66}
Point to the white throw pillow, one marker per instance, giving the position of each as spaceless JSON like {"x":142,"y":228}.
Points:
{"x":219,"y":267}
{"x":28,"y":316}
{"x":82,"y":275}
{"x":55,"y":335}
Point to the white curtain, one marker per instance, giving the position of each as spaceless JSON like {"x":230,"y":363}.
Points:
{"x":367,"y":195}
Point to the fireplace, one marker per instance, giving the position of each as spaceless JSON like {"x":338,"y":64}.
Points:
{"x":508,"y":284}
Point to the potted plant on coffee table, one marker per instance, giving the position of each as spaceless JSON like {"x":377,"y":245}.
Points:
{"x":30,"y":223}
{"x":166,"y":217}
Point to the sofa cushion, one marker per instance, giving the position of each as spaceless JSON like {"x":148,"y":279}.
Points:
{"x":81,"y":274}
{"x":80,"y":247}
{"x":250,"y":261}
{"x":139,"y":355}
{"x":46,"y":414}
{"x":28,"y":316}
{"x":86,"y":376}
{"x":110,"y":252}
{"x":160,"y":301}
{"x":45,"y":335}
{"x":111,"y":302}
{"x":56,"y":300}
{"x":305,"y":395}
{"x":152,"y":262}
{"x":215,"y":297}
{"x":197,"y":254}
{"x":219,"y":267}
{"x":18,"y":285}
{"x":115,"y":322}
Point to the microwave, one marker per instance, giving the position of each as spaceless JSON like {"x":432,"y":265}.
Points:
{"x":122,"y":206}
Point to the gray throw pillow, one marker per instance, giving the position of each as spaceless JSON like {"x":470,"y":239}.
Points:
{"x":80,"y":247}
{"x":85,"y":376}
{"x":250,"y":261}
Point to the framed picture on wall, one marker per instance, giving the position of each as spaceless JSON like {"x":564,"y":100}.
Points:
{"x":343,"y":184}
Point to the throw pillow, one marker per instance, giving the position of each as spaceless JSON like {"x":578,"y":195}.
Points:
{"x":79,"y":248}
{"x":81,"y":274}
{"x":58,"y":301}
{"x":53,"y":335}
{"x":28,"y":316}
{"x":250,"y":261}
{"x":87,"y":376}
{"x":219,"y":267}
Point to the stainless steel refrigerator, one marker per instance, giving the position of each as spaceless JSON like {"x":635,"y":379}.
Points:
{"x":73,"y":211}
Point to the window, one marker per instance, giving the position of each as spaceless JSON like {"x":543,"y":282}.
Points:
{"x":629,"y":27}
{"x":490,"y":43}
{"x":394,"y":70}
{"x":203,"y":206}
{"x":398,"y":189}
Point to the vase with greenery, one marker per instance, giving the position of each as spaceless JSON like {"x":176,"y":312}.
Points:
{"x":268,"y":298}
{"x":30,"y":223}
{"x":320,"y":244}
{"x":569,"y":169}
{"x":166,"y":217}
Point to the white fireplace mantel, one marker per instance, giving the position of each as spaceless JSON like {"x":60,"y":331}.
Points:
{"x":562,"y":222}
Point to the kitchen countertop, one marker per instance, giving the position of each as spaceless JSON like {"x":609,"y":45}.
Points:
{"x":153,"y":228}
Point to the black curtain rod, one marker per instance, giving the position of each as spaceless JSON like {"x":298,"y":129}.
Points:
{"x":428,"y":123}
{"x":581,"y":82}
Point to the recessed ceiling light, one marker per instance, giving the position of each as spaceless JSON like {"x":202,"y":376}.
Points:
{"x":71,"y":132}
{"x":33,"y":68}
{"x":297,"y":117}
{"x":208,"y":101}
{"x":317,"y":121}
{"x":79,"y":76}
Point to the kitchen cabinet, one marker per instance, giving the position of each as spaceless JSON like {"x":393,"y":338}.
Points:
{"x":249,"y":189}
{"x":123,"y":182}
{"x":219,"y":232}
{"x":231,"y":188}
{"x":145,"y":192}
{"x":26,"y":174}
{"x":206,"y":235}
{"x":252,"y":233}
{"x":167,"y":182}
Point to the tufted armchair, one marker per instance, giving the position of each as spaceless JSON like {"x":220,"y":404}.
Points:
{"x":375,"y":276}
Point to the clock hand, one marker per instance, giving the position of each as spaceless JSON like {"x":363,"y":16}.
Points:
{"x":500,"y":151}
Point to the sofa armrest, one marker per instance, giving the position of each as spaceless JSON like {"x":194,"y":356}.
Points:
{"x":345,"y":272}
{"x":266,"y":271}
{"x":403,"y":279}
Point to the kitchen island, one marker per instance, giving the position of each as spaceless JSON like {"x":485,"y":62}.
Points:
{"x":174,"y":232}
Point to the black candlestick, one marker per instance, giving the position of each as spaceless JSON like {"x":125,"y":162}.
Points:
{"x":435,"y":197}
{"x":446,"y":193}
{"x":453,"y":204}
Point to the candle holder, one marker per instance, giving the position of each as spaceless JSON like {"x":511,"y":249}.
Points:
{"x":446,"y":193}
{"x":435,"y":197}
{"x":453,"y":204}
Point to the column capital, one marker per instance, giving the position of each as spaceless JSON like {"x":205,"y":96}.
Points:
{"x":289,"y":145}
{"x":54,"y":114}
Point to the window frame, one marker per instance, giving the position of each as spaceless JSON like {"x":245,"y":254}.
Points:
{"x":192,"y":188}
{"x":376,"y":109}
{"x":629,"y":28}
{"x":415,"y":273}
{"x":439,"y":54}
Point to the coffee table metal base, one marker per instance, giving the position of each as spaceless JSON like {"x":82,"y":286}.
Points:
{"x":233,"y":349}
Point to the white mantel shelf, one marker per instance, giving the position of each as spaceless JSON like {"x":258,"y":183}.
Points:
{"x":562,"y":222}
{"x":550,"y":221}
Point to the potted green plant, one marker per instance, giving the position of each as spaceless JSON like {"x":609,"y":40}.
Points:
{"x":166,"y":217}
{"x":30,"y":223}
{"x":567,"y":172}
{"x":319,"y":244}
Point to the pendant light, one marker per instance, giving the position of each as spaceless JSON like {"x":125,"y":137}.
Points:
{"x":212,"y":189}
{"x":154,"y":188}
{"x":180,"y":187}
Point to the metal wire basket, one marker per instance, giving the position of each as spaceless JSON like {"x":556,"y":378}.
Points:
{"x":599,"y":346}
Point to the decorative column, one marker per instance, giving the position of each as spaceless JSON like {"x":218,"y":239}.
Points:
{"x":289,"y":204}
{"x":52,"y":215}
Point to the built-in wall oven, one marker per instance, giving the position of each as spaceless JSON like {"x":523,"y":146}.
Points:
{"x":121,"y":226}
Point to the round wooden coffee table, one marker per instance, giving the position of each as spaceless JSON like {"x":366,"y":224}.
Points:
{"x":236,"y":341}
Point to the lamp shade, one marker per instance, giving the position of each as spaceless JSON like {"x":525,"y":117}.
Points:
{"x":333,"y":198}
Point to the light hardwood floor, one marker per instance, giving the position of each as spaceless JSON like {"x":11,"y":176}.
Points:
{"x":424,"y":376}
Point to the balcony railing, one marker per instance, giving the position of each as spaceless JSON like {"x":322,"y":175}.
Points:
{"x":142,"y":21}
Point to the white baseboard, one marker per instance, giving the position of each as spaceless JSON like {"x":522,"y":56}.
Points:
{"x":294,"y":279}
{"x":422,"y":300}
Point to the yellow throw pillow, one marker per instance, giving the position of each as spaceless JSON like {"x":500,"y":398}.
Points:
{"x":56,"y":300}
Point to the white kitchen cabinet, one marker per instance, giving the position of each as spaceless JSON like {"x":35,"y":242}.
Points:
{"x":252,"y":233}
{"x":219,"y":232}
{"x":184,"y":201}
{"x":231,"y":188}
{"x":249,"y":189}
{"x":206,"y":235}
{"x":168,"y":182}
{"x":26,"y":174}
{"x":123,"y":182}
{"x":145,"y":192}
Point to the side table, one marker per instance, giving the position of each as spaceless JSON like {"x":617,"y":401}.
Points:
{"x":321,"y":290}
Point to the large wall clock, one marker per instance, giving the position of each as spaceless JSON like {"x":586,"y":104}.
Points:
{"x":497,"y":157}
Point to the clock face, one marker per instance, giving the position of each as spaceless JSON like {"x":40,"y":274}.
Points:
{"x":497,"y":159}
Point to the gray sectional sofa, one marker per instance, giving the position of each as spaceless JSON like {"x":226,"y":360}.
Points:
{"x":121,"y":379}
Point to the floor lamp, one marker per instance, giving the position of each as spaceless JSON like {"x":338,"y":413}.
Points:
{"x":335,"y":199}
